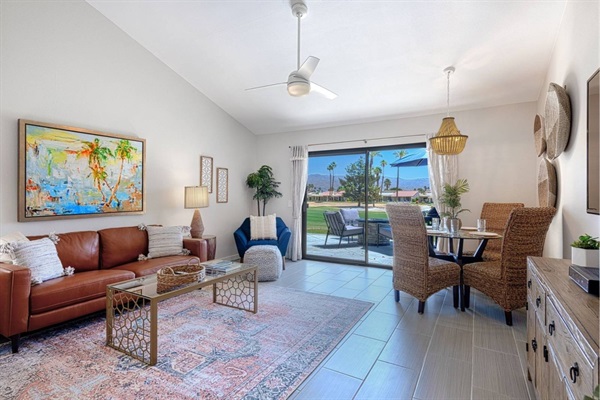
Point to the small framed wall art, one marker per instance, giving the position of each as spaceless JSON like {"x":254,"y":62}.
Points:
{"x":222,"y":185}
{"x":206,"y":172}
{"x":67,"y":172}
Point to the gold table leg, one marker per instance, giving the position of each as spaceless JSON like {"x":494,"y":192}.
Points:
{"x":238,"y":291}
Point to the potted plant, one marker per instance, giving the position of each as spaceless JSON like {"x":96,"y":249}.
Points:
{"x":450,"y":198}
{"x":265,"y":186}
{"x":585,"y":251}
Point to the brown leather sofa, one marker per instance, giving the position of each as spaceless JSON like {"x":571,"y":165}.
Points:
{"x":99,"y":259}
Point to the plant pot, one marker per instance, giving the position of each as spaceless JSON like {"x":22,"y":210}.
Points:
{"x":453,"y":225}
{"x":585,"y":257}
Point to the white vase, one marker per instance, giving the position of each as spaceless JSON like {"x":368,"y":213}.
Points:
{"x":585,"y":257}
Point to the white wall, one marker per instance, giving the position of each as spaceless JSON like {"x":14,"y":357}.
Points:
{"x":64,"y":63}
{"x":576,"y":56}
{"x":499,"y":160}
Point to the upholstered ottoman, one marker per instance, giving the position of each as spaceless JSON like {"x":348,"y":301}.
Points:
{"x":268,"y":260}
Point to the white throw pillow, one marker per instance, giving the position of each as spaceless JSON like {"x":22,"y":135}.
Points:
{"x":263,"y":227}
{"x":6,"y":253}
{"x":164,"y":241}
{"x":40,"y":257}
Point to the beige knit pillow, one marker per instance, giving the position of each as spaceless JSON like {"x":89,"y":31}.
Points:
{"x":6,"y":246}
{"x":40,"y":257}
{"x":263,"y":227}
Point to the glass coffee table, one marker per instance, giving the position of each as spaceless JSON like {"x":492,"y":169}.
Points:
{"x":132,"y":307}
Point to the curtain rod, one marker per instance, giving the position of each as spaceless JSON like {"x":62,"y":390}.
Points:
{"x":363,"y":140}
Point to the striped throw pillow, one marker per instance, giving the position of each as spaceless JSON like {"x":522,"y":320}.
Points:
{"x":40,"y":257}
{"x":164,"y":241}
{"x":263,"y":227}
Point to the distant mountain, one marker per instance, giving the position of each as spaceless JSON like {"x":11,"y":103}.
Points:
{"x":321,"y":181}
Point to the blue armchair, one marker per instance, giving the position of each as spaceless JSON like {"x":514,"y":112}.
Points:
{"x":243,"y":242}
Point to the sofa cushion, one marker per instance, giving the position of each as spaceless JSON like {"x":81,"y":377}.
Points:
{"x":40,"y":257}
{"x":121,"y":245}
{"x":68,"y":290}
{"x":152,"y":265}
{"x":6,"y":253}
{"x":80,"y":250}
{"x":164,"y":241}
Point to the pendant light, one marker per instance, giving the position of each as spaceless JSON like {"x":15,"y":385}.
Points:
{"x":448,"y":140}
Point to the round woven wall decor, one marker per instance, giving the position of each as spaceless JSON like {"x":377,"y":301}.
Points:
{"x":546,"y":184}
{"x":557,"y":120}
{"x":538,"y":135}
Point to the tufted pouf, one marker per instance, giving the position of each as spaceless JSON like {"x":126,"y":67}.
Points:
{"x":268,"y":260}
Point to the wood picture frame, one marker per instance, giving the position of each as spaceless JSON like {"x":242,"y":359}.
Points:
{"x":206,"y":172}
{"x":593,"y":144}
{"x":67,"y":172}
{"x":222,"y":185}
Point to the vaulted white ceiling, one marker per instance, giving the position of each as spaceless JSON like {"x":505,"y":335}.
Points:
{"x":384,"y":59}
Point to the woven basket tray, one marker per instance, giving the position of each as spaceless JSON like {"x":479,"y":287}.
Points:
{"x":169,"y":278}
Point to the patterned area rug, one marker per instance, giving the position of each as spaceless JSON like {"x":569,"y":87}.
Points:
{"x":205,"y":351}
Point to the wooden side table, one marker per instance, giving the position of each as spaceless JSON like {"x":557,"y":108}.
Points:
{"x":211,"y":242}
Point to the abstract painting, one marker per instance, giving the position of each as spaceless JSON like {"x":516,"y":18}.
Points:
{"x":67,"y":172}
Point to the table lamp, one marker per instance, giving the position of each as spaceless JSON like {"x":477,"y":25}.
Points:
{"x":196,"y":197}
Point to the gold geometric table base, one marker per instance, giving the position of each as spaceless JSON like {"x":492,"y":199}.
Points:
{"x":132,"y":308}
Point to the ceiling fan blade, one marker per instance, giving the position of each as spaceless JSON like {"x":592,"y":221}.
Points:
{"x":308,"y":67}
{"x":265,"y":86}
{"x":322,"y":91}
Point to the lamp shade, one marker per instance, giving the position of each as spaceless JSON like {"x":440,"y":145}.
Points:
{"x":196,"y":197}
{"x":448,"y":140}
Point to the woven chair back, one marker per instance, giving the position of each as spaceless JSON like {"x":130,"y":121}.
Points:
{"x":496,"y":217}
{"x":524,"y":236}
{"x":335,"y":222}
{"x":411,"y":255}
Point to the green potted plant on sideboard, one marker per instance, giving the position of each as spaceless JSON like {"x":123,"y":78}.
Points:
{"x":265,"y":186}
{"x":585,"y":251}
{"x":451,"y":197}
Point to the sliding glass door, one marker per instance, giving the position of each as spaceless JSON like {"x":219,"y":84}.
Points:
{"x":344,"y":217}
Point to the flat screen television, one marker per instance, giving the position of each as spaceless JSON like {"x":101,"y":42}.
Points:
{"x":593,"y":144}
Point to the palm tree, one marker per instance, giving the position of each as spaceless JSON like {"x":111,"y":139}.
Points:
{"x":331,"y":168}
{"x":387,"y":183}
{"x":97,"y":155}
{"x":383,"y":164}
{"x":124,"y":151}
{"x":399,"y":154}
{"x":372,"y":156}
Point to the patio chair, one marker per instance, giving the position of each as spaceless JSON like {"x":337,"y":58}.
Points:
{"x":414,"y":272}
{"x":337,"y":227}
{"x":505,"y":280}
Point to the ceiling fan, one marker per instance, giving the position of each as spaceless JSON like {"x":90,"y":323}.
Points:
{"x":298,"y":83}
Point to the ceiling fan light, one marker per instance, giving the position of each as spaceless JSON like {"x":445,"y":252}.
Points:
{"x":298,"y":88}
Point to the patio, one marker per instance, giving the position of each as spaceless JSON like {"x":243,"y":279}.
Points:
{"x":380,"y":255}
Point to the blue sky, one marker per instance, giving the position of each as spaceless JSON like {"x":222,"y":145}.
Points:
{"x":318,"y":165}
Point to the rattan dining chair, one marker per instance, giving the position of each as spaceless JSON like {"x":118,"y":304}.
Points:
{"x":496,"y":216}
{"x":414,"y":272}
{"x":505,"y":280}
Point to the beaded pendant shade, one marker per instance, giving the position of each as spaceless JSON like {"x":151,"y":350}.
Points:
{"x":448,"y":140}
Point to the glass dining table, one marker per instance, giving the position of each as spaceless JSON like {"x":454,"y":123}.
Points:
{"x":456,"y":253}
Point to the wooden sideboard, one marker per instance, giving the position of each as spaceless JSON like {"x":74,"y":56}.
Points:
{"x":562,"y":332}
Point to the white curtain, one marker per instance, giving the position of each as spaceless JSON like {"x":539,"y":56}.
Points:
{"x":299,"y":159}
{"x":442,"y":170}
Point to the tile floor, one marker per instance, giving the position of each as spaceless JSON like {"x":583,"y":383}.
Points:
{"x":395,"y":353}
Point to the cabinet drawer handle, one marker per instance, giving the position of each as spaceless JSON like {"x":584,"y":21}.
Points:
{"x":538,"y":301}
{"x":546,"y":353}
{"x":529,"y":284}
{"x":534,"y":345}
{"x":551,"y":328}
{"x":574,"y":372}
